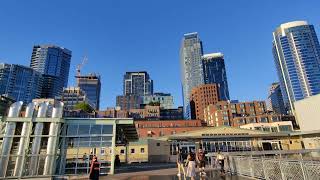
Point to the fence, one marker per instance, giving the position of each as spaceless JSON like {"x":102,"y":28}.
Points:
{"x":273,"y":169}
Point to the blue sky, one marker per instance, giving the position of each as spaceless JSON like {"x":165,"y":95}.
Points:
{"x":119,"y":36}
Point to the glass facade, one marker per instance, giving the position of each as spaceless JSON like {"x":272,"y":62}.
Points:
{"x":53,"y":63}
{"x":165,"y":100}
{"x":91,"y":85}
{"x":137,"y":83}
{"x":82,"y":141}
{"x":19,"y":82}
{"x":191,"y":68}
{"x":214,"y":71}
{"x":275,"y":100}
{"x":296,"y":52}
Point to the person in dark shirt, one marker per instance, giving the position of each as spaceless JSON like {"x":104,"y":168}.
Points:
{"x":94,"y":169}
{"x":202,"y":161}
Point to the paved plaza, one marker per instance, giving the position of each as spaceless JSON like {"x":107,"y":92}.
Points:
{"x":167,"y":174}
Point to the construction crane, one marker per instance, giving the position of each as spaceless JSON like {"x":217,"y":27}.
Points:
{"x":79,"y":66}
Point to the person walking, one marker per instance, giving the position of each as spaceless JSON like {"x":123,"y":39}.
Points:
{"x":220,"y":158}
{"x":191,"y":166}
{"x":94,"y":169}
{"x":202,"y":162}
{"x":180,"y":163}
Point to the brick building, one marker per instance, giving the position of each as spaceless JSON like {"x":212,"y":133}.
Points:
{"x":226,"y":112}
{"x":163,"y":128}
{"x":239,"y":113}
{"x":148,"y":112}
{"x":201,"y":97}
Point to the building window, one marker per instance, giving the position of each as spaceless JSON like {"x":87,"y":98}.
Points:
{"x":285,"y":128}
{"x":122,"y":151}
{"x":225,"y":118}
{"x":275,"y":119}
{"x":263,"y":119}
{"x":158,"y":144}
{"x":102,"y":151}
{"x":132,"y":151}
{"x":142,"y":150}
{"x":226,"y":123}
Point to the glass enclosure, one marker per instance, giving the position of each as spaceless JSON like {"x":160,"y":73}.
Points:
{"x":82,"y":142}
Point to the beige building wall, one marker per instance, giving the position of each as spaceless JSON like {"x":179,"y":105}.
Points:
{"x":307,"y":112}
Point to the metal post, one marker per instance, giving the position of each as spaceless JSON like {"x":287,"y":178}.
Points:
{"x":303,"y":171}
{"x":113,"y":147}
{"x":21,"y":150}
{"x":51,"y":148}
{"x":6,"y":147}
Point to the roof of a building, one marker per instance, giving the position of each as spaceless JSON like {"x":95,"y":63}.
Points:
{"x":221,"y":132}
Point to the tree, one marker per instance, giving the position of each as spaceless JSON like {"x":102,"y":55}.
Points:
{"x":157,"y":103}
{"x":84,"y":107}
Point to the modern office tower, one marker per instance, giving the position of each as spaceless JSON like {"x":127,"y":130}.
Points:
{"x":201,"y":97}
{"x":72,"y":96}
{"x":53,"y":63}
{"x":275,"y":101}
{"x":5,"y":103}
{"x":191,"y":68}
{"x":19,"y":82}
{"x":296,"y":53}
{"x":214,"y":71}
{"x":164,"y":99}
{"x":137,"y":83}
{"x":128,"y":102}
{"x":91,"y":85}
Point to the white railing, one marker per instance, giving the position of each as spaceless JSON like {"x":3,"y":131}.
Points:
{"x":273,"y":169}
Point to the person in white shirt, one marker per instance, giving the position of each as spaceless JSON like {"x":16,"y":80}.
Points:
{"x":220,"y":159}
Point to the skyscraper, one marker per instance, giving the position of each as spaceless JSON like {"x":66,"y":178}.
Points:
{"x":53,"y":63}
{"x":91,"y":85}
{"x":137,"y":83}
{"x":19,"y":82}
{"x":296,"y":52}
{"x":191,"y":68}
{"x":275,"y":101}
{"x":214,"y":71}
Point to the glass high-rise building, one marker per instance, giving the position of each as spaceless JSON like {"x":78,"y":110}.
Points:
{"x":191,"y":68}
{"x":214,"y":72}
{"x":19,"y":82}
{"x":296,"y":52}
{"x":275,"y":101}
{"x":137,"y":83}
{"x":53,"y":63}
{"x":91,"y":85}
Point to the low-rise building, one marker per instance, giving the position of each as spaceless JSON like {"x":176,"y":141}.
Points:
{"x":160,"y":128}
{"x":164,"y":99}
{"x":282,"y":126}
{"x":226,"y":113}
{"x":307,"y":112}
{"x":71,"y":96}
{"x":42,"y":144}
{"x":171,"y":114}
{"x":148,"y":113}
{"x":144,"y":150}
{"x":127,"y":102}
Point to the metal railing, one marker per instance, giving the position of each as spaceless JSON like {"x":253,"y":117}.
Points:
{"x":273,"y":169}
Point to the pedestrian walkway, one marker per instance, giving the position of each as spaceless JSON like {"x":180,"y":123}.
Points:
{"x":167,"y":174}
